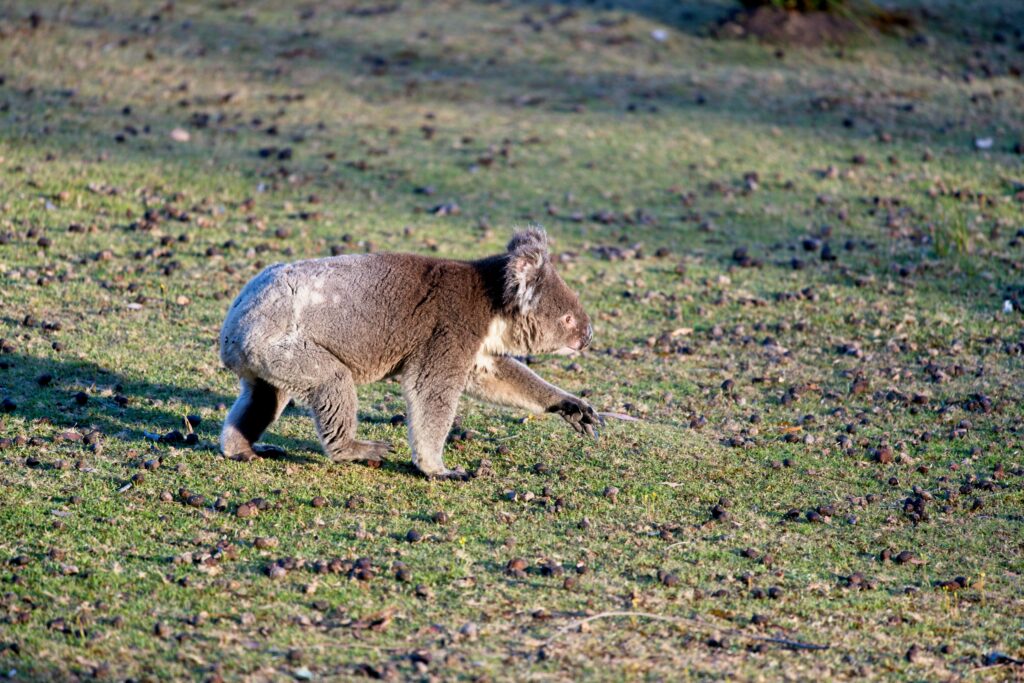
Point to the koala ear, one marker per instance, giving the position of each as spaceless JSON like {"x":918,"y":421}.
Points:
{"x":528,"y":256}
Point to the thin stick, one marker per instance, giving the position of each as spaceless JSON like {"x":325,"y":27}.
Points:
{"x":605,"y":615}
{"x":789,"y":644}
{"x":621,"y":416}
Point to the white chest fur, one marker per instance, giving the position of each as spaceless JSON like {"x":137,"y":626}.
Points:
{"x":493,"y":344}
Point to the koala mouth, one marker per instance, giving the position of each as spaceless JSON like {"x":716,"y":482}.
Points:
{"x":581,"y":343}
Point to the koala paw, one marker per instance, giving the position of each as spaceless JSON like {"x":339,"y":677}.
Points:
{"x":579,"y":415}
{"x":257,"y":450}
{"x":247,"y":455}
{"x":458,"y":474}
{"x":364,"y":451}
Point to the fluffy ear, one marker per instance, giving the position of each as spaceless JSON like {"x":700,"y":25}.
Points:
{"x":528,"y":256}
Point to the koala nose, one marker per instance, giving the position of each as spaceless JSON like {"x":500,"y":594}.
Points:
{"x":588,"y":335}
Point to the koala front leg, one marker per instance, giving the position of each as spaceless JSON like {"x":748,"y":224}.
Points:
{"x":432,"y":395}
{"x":505,"y":381}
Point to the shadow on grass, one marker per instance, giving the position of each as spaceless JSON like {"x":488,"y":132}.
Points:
{"x":383,"y":70}
{"x":416,"y":69}
{"x":76,"y":394}
{"x":683,"y":15}
{"x":128,"y":409}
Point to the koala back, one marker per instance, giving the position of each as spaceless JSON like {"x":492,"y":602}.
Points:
{"x":370,"y":311}
{"x":375,"y":312}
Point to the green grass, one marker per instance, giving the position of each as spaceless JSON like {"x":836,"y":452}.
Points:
{"x":389,"y":114}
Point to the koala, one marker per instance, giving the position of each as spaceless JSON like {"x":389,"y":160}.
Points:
{"x":315,"y":329}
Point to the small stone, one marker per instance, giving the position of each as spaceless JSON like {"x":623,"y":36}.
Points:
{"x":668,"y":579}
{"x":907,"y":557}
{"x":516,"y":567}
{"x":551,"y":568}
{"x":469,"y":631}
{"x":246,"y":510}
{"x":319,"y":502}
{"x":440,"y":517}
{"x":413,"y":536}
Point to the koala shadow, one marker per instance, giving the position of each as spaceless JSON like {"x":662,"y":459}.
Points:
{"x":396,"y":466}
{"x":287,"y":454}
{"x":70,"y":393}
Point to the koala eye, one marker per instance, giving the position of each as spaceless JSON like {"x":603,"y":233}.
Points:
{"x":568,"y":320}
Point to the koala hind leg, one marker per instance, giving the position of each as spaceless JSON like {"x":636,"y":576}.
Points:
{"x":258,"y":405}
{"x":334,"y":405}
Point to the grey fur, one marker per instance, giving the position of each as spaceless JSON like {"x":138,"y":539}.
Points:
{"x":315,"y":329}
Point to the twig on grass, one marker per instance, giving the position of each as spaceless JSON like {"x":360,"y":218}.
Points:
{"x":784,"y":642}
{"x":791,"y":644}
{"x":605,"y":615}
{"x":621,"y":416}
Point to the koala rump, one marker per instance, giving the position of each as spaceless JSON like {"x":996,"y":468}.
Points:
{"x":315,"y":329}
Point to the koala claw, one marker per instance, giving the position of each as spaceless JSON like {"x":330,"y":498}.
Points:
{"x":580,"y":416}
{"x":458,"y":474}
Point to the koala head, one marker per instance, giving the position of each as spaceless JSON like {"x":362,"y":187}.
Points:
{"x":541,"y":313}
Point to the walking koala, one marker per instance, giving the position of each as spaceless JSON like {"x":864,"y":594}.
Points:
{"x":315,"y":329}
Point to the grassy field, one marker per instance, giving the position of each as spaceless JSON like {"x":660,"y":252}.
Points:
{"x":797,"y":262}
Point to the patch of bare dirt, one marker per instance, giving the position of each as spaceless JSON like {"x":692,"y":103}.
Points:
{"x":774,"y":25}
